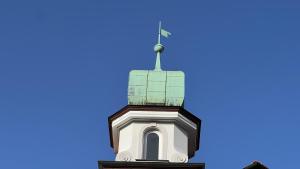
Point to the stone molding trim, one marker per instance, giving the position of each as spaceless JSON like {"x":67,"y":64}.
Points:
{"x":124,"y":156}
{"x":180,"y":158}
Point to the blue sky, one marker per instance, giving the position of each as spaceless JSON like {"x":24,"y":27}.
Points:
{"x":64,"y":69}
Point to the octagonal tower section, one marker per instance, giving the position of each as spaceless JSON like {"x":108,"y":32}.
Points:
{"x":151,"y":133}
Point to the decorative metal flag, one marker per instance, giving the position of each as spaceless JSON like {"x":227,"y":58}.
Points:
{"x":164,"y":33}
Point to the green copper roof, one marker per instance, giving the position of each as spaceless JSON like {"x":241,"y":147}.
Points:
{"x":148,"y":87}
{"x":156,"y":87}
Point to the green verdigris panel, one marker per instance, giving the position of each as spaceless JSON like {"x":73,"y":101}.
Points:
{"x":137,"y":87}
{"x":156,"y":88}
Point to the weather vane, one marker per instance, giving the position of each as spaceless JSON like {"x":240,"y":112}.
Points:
{"x":158,"y":48}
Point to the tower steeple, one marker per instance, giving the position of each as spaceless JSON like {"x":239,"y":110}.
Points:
{"x":154,"y":125}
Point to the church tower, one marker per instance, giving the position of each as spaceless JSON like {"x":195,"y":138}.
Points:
{"x":154,"y":130}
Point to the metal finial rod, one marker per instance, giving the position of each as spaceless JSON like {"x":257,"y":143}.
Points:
{"x":157,"y":63}
{"x":159,"y":28}
{"x":158,"y":48}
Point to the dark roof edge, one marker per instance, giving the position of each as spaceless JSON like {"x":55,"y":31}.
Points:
{"x":256,"y":164}
{"x":124,"y":164}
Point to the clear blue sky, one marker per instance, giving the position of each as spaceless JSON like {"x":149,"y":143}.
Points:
{"x":64,"y":68}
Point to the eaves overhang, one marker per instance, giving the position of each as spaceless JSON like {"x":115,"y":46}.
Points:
{"x":178,"y":109}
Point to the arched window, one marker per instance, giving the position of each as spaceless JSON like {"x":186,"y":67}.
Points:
{"x":151,"y":147}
